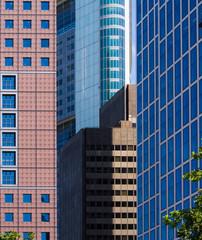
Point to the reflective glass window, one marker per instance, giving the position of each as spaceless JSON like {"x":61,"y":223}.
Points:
{"x":177,"y":43}
{"x":145,"y":63}
{"x":8,"y":42}
{"x":200,"y":58}
{"x":170,"y":84}
{"x":139,"y":10}
{"x":8,"y":23}
{"x":152,"y":150}
{"x":45,"y":43}
{"x":145,"y":93}
{"x":45,"y":236}
{"x":178,"y":154}
{"x":152,"y":216}
{"x":8,"y":177}
{"x":152,"y":119}
{"x":170,"y":119}
{"x":169,"y":50}
{"x":151,"y":56}
{"x":193,"y":64}
{"x":45,"y":198}
{"x":194,"y":185}
{"x":151,"y":87}
{"x":184,"y":4}
{"x":139,"y":35}
{"x":139,"y":68}
{"x":8,"y":198}
{"x":186,"y":190}
{"x":200,"y":20}
{"x":162,"y":57}
{"x":194,"y":135}
{"x":139,"y":98}
{"x":8,"y":82}
{"x":146,"y":186}
{"x":9,"y":5}
{"x":170,"y":189}
{"x":177,"y":78}
{"x":139,"y":189}
{"x":178,"y":192}
{"x":163,"y":125}
{"x":163,"y":90}
{"x":44,"y":5}
{"x":8,"y":120}
{"x":163,"y":194}
{"x":146,"y":155}
{"x":139,"y":158}
{"x":157,"y":83}
{"x":8,"y":61}
{"x":156,"y":20}
{"x":45,"y":62}
{"x":27,"y":217}
{"x":185,"y":36}
{"x":45,"y":217}
{"x":157,"y":146}
{"x":170,"y":155}
{"x":140,"y":220}
{"x":194,"y":101}
{"x":157,"y":115}
{"x":193,"y":28}
{"x":8,"y":158}
{"x":177,"y":11}
{"x":27,"y":24}
{"x":151,"y":4}
{"x":177,"y":113}
{"x":157,"y":210}
{"x":152,"y":181}
{"x":163,"y":159}
{"x":146,"y":216}
{"x":151,"y":25}
{"x":186,"y":144}
{"x":169,"y":16}
{"x":170,"y":230}
{"x":185,"y":71}
{"x":186,"y":107}
{"x":27,"y":5}
{"x":44,"y":24}
{"x":8,"y":101}
{"x":187,"y":204}
{"x":192,"y":4}
{"x":145,"y":128}
{"x":27,"y":198}
{"x":8,"y":139}
{"x":139,"y":132}
{"x":162,"y":22}
{"x":26,"y":62}
{"x":200,"y":96}
{"x":144,"y":8}
{"x":157,"y":178}
{"x":27,"y":43}
{"x":145,"y":30}
{"x":8,"y":217}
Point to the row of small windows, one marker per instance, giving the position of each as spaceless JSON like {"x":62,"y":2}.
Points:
{"x":110,"y":170}
{"x":112,"y":21}
{"x":104,"y":2}
{"x":27,"y":217}
{"x":27,"y":5}
{"x":27,"y":61}
{"x":110,"y":193}
{"x":112,"y":10}
{"x":111,"y":204}
{"x":27,"y":24}
{"x":110,"y":42}
{"x":111,"y":226}
{"x":112,"y":32}
{"x":111,"y":181}
{"x":27,"y":43}
{"x":27,"y":198}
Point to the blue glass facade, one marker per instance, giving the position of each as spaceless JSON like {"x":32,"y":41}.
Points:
{"x":169,"y":108}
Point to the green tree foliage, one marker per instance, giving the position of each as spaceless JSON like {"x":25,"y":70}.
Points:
{"x":14,"y":235}
{"x":188,"y":222}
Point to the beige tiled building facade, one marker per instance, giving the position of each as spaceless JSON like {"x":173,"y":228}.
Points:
{"x":28,"y":185}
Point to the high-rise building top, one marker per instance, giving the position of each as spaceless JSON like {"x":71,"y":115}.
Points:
{"x":28,"y":116}
{"x":169,"y":109}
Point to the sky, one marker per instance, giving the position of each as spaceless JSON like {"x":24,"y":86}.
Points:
{"x":133,"y":75}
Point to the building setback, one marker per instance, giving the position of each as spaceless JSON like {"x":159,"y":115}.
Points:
{"x":28,"y":116}
{"x":97,"y":175}
{"x":169,"y":109}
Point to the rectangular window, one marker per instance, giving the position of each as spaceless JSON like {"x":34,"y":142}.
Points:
{"x":25,"y":235}
{"x":45,"y":217}
{"x":8,"y":139}
{"x":200,"y":58}
{"x":185,"y":71}
{"x":163,"y":125}
{"x":200,"y":96}
{"x":145,"y":32}
{"x":146,"y":163}
{"x":162,"y":57}
{"x":44,"y":24}
{"x":157,"y":178}
{"x":151,"y":56}
{"x":8,"y":177}
{"x":186,"y":107}
{"x":9,"y":5}
{"x":194,"y":166}
{"x":177,"y":113}
{"x":193,"y":65}
{"x":8,"y":42}
{"x":144,"y":6}
{"x":194,"y":136}
{"x":27,"y":217}
{"x":27,"y":198}
{"x":170,"y":155}
{"x":186,"y":182}
{"x":45,"y":43}
{"x":178,"y":175}
{"x":151,"y":87}
{"x":177,"y":11}
{"x":138,"y":10}
{"x":45,"y":236}
{"x":8,"y":61}
{"x":169,"y":16}
{"x":8,"y":82}
{"x":140,"y":189}
{"x":145,"y":63}
{"x":184,"y":8}
{"x":163,"y":159}
{"x":194,"y":101}
{"x":170,"y":84}
{"x":193,"y":28}
{"x":8,"y":101}
{"x":45,"y":5}
{"x":146,"y":216}
{"x":157,"y":114}
{"x":162,"y":22}
{"x":8,"y":24}
{"x":145,"y":93}
{"x":177,"y":43}
{"x":139,"y":125}
{"x":145,"y":123}
{"x":139,"y":97}
{"x":186,"y":144}
{"x":170,"y":119}
{"x":26,"y":62}
{"x":8,"y":217}
{"x":139,"y":68}
{"x":27,"y":24}
{"x":163,"y":90}
{"x":170,"y":189}
{"x":152,"y":119}
{"x":8,"y":120}
{"x":27,"y":43}
{"x":8,"y":198}
{"x":169,"y":50}
{"x":177,"y":78}
{"x":27,"y":5}
{"x":44,"y":62}
{"x":152,"y":182}
{"x":140,"y":220}
{"x":45,"y":198}
{"x":185,"y":36}
{"x":146,"y":186}
{"x":178,"y":154}
{"x":8,"y":158}
{"x":163,"y":194}
{"x":151,"y":25}
{"x":152,"y":215}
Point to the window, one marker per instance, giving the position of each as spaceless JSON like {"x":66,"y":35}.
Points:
{"x":139,"y":124}
{"x":163,"y":159}
{"x":27,"y":5}
{"x":170,"y":85}
{"x":45,"y":217}
{"x":27,"y":217}
{"x":8,"y":23}
{"x":194,"y":101}
{"x":44,"y":24}
{"x":146,"y":155}
{"x":177,"y":11}
{"x":139,"y":97}
{"x":152,"y":181}
{"x":169,"y":16}
{"x":185,"y":36}
{"x":163,"y":125}
{"x":8,"y":139}
{"x":8,"y":82}
{"x":8,"y":158}
{"x":184,"y":8}
{"x":26,"y":62}
{"x":170,"y":189}
{"x":146,"y":186}
{"x":163,"y":194}
{"x":145,"y":62}
{"x":8,"y":61}
{"x":25,"y":235}
{"x":170,"y":119}
{"x":27,"y":24}
{"x":9,"y":5}
{"x":8,"y":120}
{"x":45,"y":43}
{"x":163,"y":90}
{"x":178,"y":185}
{"x":27,"y":198}
{"x":140,"y":220}
{"x":170,"y":155}
{"x":151,"y":25}
{"x":193,"y":28}
{"x":177,"y":43}
{"x":8,"y":101}
{"x":162,"y":57}
{"x":151,"y":86}
{"x":152,"y":119}
{"x":186,"y":182}
{"x":146,"y":216}
{"x":169,"y":50}
{"x":144,"y":8}
{"x":186,"y":107}
{"x":145,"y":93}
{"x":139,"y":189}
{"x":139,"y":68}
{"x":44,"y":62}
{"x":177,"y":113}
{"x":185,"y":71}
{"x":145,"y":124}
{"x":162,"y":22}
{"x":45,"y":198}
{"x":177,"y":78}
{"x":27,"y":43}
{"x":8,"y":217}
{"x":193,"y":65}
{"x":8,"y":198}
{"x":44,"y":5}
{"x":178,"y":149}
{"x":139,"y":150}
{"x":8,"y":42}
{"x":145,"y":29}
{"x":8,"y":177}
{"x":45,"y":236}
{"x":194,"y":137}
{"x":152,"y":214}
{"x":139,"y":35}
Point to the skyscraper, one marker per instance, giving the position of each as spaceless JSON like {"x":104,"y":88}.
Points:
{"x":169,"y":109}
{"x":94,"y":60}
{"x":28,"y":116}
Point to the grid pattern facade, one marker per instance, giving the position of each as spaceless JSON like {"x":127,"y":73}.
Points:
{"x":169,"y":109}
{"x":27,"y":117}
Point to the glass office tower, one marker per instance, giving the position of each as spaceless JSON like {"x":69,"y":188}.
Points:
{"x":169,"y":109}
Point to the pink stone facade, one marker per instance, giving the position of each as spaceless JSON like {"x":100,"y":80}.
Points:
{"x":35,"y":164}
